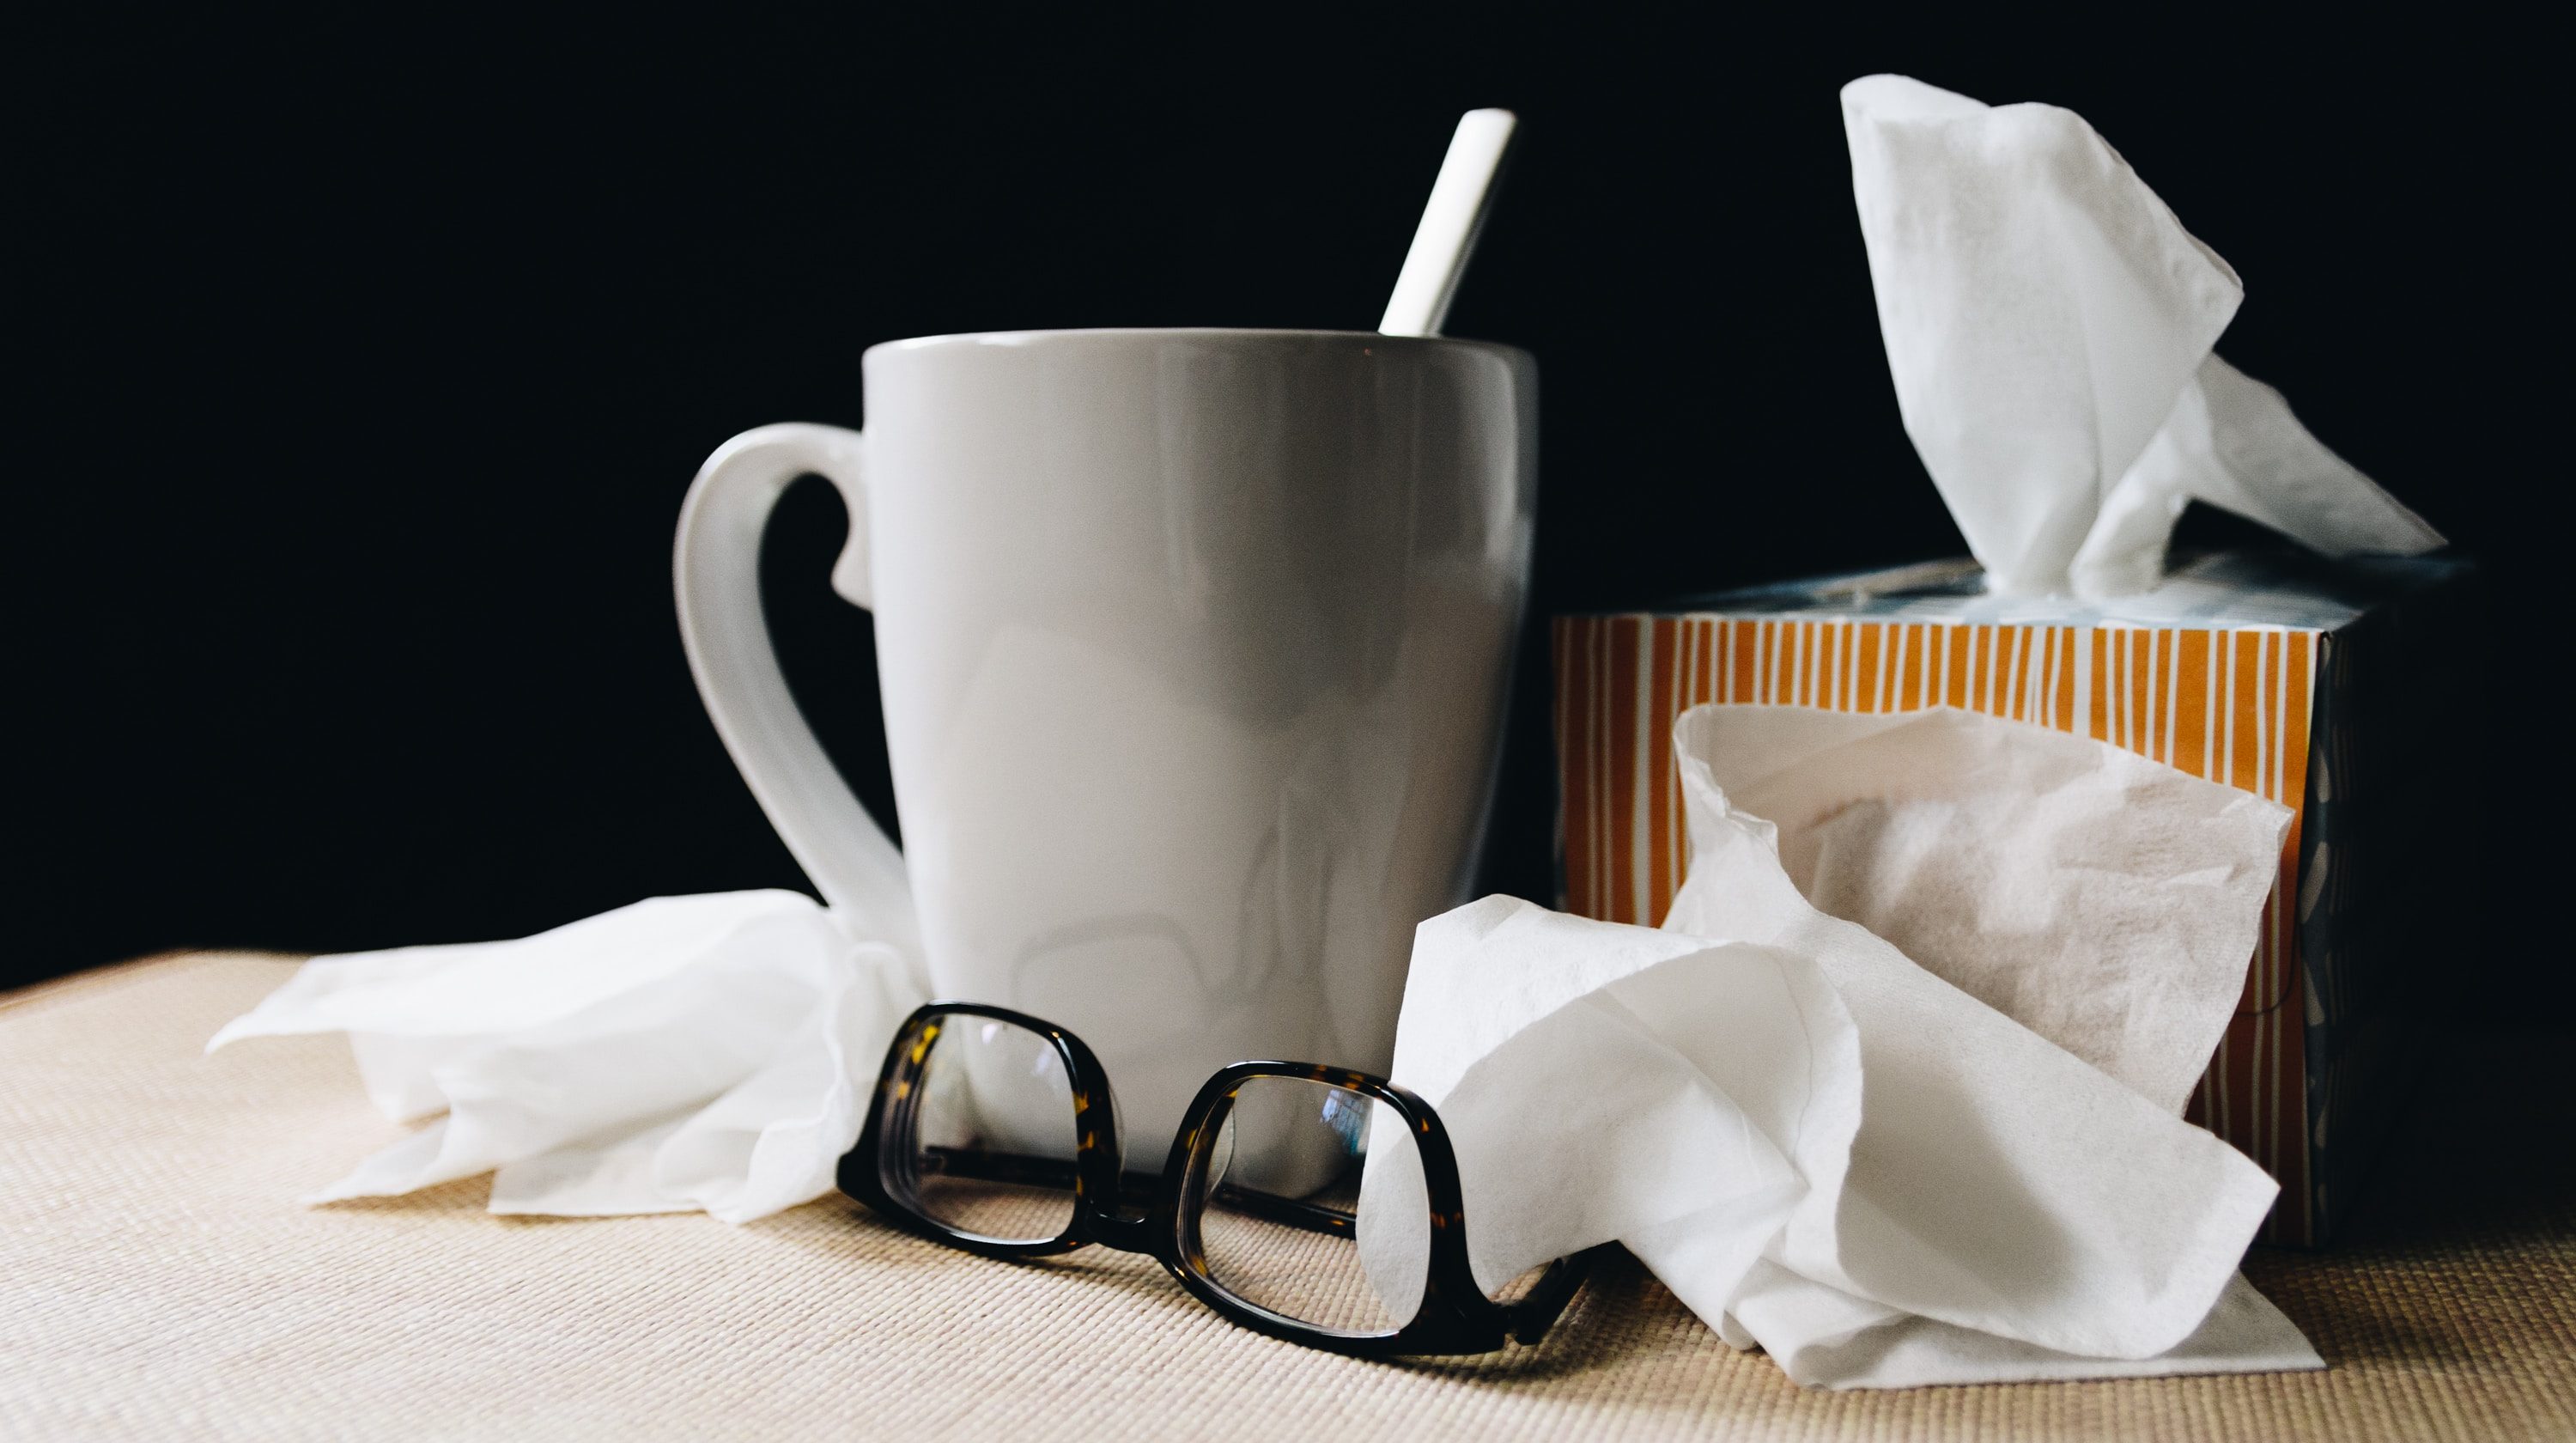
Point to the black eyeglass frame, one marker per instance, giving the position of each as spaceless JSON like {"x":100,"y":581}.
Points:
{"x":1454,"y":1316}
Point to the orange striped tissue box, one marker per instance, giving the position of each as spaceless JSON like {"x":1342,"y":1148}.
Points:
{"x":2323,"y":686}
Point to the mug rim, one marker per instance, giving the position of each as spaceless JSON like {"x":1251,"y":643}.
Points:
{"x":1049,"y":336}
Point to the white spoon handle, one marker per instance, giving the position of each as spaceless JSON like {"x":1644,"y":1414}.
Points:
{"x":1450,"y":222}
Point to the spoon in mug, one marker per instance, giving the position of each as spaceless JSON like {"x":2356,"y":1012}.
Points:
{"x":1451,"y":221}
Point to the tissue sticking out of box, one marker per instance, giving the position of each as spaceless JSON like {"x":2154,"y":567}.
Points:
{"x":2049,"y":325}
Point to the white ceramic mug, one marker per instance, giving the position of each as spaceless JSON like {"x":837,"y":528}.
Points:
{"x":1193,"y":647}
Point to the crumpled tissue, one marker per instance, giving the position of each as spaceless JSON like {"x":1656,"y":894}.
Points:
{"x":681,"y":1054}
{"x":1835,"y":1150}
{"x":2049,"y":326}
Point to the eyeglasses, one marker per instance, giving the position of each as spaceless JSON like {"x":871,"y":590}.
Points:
{"x":997,"y":1132}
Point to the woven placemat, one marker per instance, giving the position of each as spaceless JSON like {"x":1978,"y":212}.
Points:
{"x":161,"y":1283}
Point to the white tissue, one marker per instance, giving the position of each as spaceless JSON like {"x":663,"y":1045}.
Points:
{"x":1828,"y":1151}
{"x":681,"y":1054}
{"x":2049,"y":326}
{"x":2104,"y":901}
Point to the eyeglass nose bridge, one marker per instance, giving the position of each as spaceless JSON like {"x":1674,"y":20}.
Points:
{"x":1166,"y":1229}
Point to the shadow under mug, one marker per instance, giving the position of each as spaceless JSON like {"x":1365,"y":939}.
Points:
{"x":1193,"y":647}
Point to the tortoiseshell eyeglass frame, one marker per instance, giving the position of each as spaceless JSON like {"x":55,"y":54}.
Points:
{"x":1454,"y":1316}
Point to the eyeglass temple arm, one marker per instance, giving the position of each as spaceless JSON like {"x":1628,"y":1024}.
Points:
{"x":1031,"y":1171}
{"x":1537,"y":1310}
{"x":1287,"y":1211}
{"x":1134,"y":1187}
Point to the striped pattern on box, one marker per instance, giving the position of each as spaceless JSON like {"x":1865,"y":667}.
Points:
{"x":2232,"y":705}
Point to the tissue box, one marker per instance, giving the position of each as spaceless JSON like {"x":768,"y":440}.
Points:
{"x":2326,"y":686}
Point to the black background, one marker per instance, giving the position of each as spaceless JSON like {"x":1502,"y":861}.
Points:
{"x":362,"y":365}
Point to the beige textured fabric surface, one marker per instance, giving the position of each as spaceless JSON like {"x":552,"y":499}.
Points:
{"x":161,"y":1283}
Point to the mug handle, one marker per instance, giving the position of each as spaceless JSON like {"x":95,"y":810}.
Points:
{"x":716,"y":577}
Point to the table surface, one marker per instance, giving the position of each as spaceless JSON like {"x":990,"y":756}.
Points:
{"x":162,"y":1283}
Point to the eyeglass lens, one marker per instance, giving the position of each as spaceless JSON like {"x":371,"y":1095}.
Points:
{"x":1280,"y":1222}
{"x":993,"y":1134}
